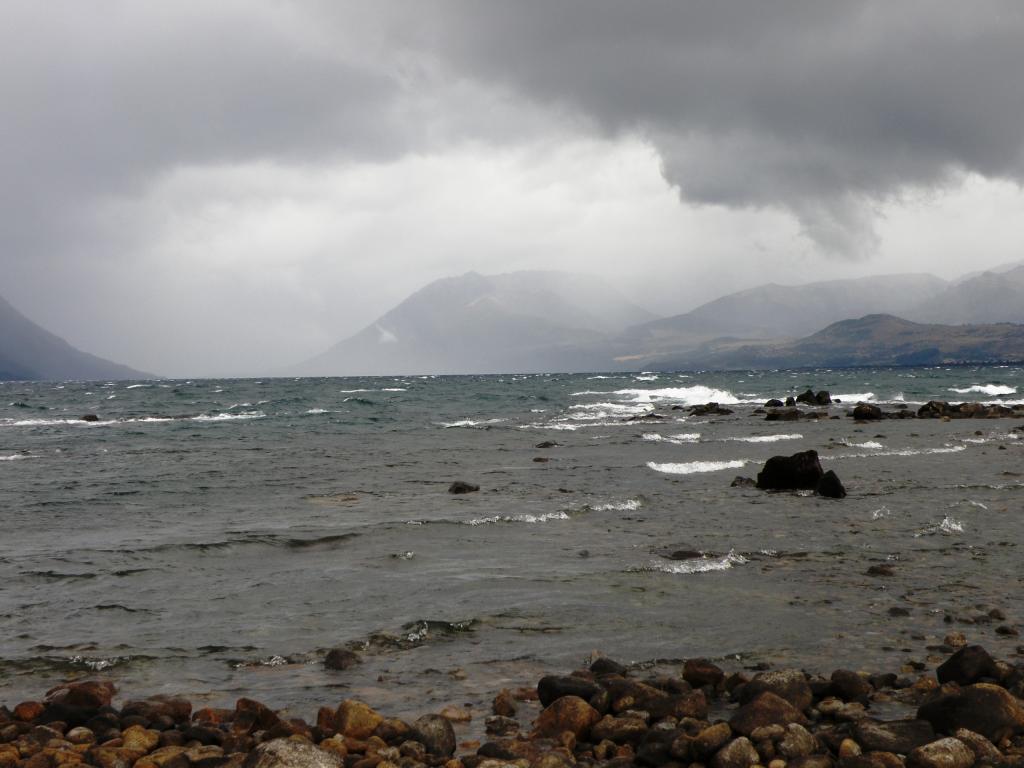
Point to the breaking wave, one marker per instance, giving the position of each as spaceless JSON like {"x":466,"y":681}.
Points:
{"x":693,"y":467}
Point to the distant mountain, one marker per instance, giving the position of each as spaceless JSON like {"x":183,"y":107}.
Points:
{"x":28,"y":351}
{"x":516,"y":322}
{"x":781,"y":311}
{"x":871,"y":341}
{"x":995,"y":296}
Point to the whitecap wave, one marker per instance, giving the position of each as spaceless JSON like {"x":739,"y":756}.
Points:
{"x":695,"y":395}
{"x":16,"y":457}
{"x":764,"y":438}
{"x":985,"y":389}
{"x":900,"y":452}
{"x":315,"y":411}
{"x":680,"y":439}
{"x":618,"y":506}
{"x":138,"y":386}
{"x":704,"y":564}
{"x":694,"y":467}
{"x":229,"y":416}
{"x":947,"y":526}
{"x":855,"y":397}
{"x":468,"y":423}
{"x":866,"y":444}
{"x":522,"y":518}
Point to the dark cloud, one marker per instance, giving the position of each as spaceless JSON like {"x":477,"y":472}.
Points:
{"x":819,"y":108}
{"x":824,"y":112}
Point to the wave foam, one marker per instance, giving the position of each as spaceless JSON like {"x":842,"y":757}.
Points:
{"x":985,"y":389}
{"x":694,"y":467}
{"x":702,"y":564}
{"x":764,"y":438}
{"x":618,"y":506}
{"x":695,"y":395}
{"x":468,"y":423}
{"x":523,"y":518}
{"x":230,"y":416}
{"x":680,"y":439}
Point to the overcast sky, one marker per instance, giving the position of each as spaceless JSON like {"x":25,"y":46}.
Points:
{"x":224,"y":186}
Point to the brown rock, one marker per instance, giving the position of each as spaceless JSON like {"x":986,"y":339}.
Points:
{"x":789,"y":684}
{"x":456,"y":714}
{"x":983,"y":708}
{"x":568,"y":713}
{"x":849,"y":686}
{"x":291,"y":753}
{"x":709,"y":741}
{"x":620,"y":730}
{"x":140,"y":739}
{"x":968,"y":665}
{"x":738,"y":753}
{"x":88,"y":694}
{"x":356,"y":719}
{"x":28,"y":711}
{"x":797,"y":742}
{"x":766,"y":709}
{"x":504,"y":704}
{"x":113,"y":757}
{"x":944,"y":753}
{"x":436,"y":734}
{"x":701,"y":672}
{"x":900,"y":736}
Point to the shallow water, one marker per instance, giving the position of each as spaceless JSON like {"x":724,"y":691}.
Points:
{"x":215,"y":538}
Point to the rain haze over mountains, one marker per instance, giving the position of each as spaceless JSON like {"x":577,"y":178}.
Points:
{"x":238,"y":188}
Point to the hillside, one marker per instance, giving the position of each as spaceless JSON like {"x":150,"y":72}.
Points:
{"x":781,"y":311}
{"x":522,"y":322}
{"x":28,"y":351}
{"x":874,"y":340}
{"x":988,"y":297}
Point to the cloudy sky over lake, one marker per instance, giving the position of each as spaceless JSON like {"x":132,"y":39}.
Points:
{"x":220,"y":186}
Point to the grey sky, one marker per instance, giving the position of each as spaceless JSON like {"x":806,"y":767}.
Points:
{"x":228,"y":186}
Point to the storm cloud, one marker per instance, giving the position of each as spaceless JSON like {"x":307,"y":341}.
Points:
{"x":251,"y":181}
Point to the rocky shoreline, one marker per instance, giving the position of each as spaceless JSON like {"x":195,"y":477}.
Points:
{"x":968,"y":712}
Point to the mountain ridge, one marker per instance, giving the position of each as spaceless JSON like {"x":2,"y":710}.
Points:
{"x":30,"y":352}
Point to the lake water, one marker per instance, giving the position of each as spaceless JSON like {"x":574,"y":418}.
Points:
{"x":215,"y":538}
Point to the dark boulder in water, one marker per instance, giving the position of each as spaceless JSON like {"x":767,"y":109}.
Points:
{"x":790,"y":401}
{"x":547,"y":444}
{"x":461,"y":486}
{"x":774,"y":403}
{"x":807,"y":398}
{"x":709,"y":409}
{"x":801,"y":471}
{"x":830,"y":486}
{"x":341,"y":658}
{"x":969,"y":665}
{"x":787,"y":413}
{"x":743,"y":482}
{"x":867,"y":412}
{"x":823,"y":397}
{"x":90,"y":417}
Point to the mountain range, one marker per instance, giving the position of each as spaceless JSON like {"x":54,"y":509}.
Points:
{"x":28,"y":351}
{"x":548,"y":321}
{"x":542,"y":321}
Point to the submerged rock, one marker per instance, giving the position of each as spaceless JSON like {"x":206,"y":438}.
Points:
{"x":341,"y":658}
{"x":801,"y":471}
{"x":461,"y":486}
{"x":830,"y":486}
{"x":867,"y":412}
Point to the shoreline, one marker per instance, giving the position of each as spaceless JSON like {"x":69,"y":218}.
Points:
{"x":967,"y":710}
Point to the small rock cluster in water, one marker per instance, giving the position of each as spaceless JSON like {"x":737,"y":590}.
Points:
{"x":969,"y":713}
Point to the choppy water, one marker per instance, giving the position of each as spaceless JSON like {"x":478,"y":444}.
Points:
{"x":215,"y":538}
